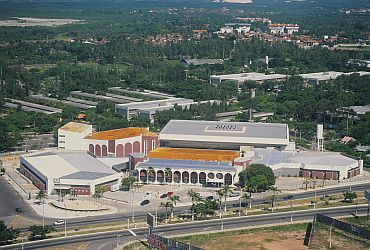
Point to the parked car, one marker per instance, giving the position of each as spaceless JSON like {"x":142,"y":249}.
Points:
{"x":19,"y":210}
{"x":144,"y":202}
{"x":163,"y":196}
{"x":59,"y":223}
{"x":288,"y":197}
{"x":234,"y":194}
{"x":211,"y":197}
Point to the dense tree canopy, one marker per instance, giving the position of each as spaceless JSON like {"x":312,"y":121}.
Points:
{"x":257,"y":177}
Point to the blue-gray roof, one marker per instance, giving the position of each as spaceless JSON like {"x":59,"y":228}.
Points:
{"x":85,"y":175}
{"x":188,"y":164}
{"x":273,"y":156}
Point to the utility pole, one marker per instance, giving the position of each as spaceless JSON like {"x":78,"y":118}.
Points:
{"x":314,"y":203}
{"x":331,"y":228}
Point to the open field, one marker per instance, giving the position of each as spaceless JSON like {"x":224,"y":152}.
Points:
{"x":275,"y":238}
{"x":339,"y":239}
{"x":30,"y":21}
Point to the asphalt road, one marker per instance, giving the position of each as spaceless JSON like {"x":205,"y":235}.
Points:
{"x":141,"y":215}
{"x":107,"y":240}
{"x":73,"y":223}
{"x":10,"y":200}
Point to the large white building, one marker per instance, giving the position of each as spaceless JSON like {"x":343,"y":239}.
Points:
{"x":224,"y":135}
{"x":77,"y":171}
{"x":308,"y":164}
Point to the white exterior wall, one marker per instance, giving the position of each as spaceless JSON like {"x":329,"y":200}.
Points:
{"x":72,"y":140}
{"x":92,"y":183}
{"x":215,"y":179}
{"x":225,"y":139}
{"x":343,"y":170}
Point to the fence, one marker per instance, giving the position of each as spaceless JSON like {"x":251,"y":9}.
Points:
{"x":160,"y":242}
{"x":343,"y":226}
{"x":308,"y":235}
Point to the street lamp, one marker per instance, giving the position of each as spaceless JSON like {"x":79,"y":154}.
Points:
{"x":222,"y":222}
{"x":291,"y":211}
{"x":240,"y":205}
{"x":43,"y":213}
{"x":133,"y":207}
{"x":65,"y":220}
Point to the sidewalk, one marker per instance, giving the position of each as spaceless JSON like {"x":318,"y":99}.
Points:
{"x":51,"y":211}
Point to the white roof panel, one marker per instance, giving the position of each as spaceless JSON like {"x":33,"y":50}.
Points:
{"x":226,"y":129}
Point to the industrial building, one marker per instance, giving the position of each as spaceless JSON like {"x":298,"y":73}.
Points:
{"x":76,"y":171}
{"x":147,"y":93}
{"x":224,"y":135}
{"x":241,"y":78}
{"x":31,"y":107}
{"x":316,"y":78}
{"x":197,"y":62}
{"x":149,"y":108}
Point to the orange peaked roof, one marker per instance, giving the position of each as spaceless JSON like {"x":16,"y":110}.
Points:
{"x":194,"y":154}
{"x":121,"y":133}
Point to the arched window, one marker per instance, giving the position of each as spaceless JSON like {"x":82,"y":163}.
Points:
{"x":104,"y":150}
{"x":97,"y":150}
{"x":194,"y":177}
{"x":119,"y":150}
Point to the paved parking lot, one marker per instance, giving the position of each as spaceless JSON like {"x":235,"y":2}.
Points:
{"x":154,"y":192}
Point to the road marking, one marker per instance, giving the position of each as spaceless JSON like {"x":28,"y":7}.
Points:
{"x":132,"y":232}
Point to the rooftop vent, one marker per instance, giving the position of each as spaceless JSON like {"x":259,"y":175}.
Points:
{"x":225,"y":127}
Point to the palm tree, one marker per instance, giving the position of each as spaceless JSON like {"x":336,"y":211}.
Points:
{"x":41,"y":196}
{"x":166,"y":205}
{"x":274,"y":197}
{"x":151,"y":173}
{"x":195,"y":198}
{"x":168,"y":174}
{"x":247,"y":197}
{"x":220,"y":194}
{"x":306,"y":182}
{"x":173,"y":199}
{"x":226,"y":189}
